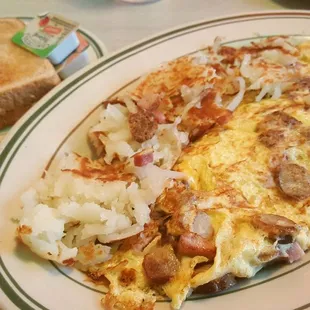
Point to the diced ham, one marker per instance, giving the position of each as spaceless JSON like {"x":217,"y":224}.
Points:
{"x":143,"y":158}
{"x":161,"y":265}
{"x":291,"y":253}
{"x":294,"y":181}
{"x":191,"y":244}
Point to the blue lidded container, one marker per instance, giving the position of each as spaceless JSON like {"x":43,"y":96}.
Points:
{"x":64,"y":49}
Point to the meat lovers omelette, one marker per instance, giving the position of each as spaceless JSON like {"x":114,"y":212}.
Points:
{"x":201,"y":178}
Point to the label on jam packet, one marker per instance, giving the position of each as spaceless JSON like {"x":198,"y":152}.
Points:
{"x":43,"y":34}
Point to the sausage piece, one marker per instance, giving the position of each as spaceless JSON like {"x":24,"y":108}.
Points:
{"x":191,"y":244}
{"x":294,"y":181}
{"x":271,"y":137}
{"x":217,"y":285}
{"x":306,"y":133}
{"x":275,"y":225}
{"x":142,"y":125}
{"x":161,"y":265}
{"x":278,"y":119}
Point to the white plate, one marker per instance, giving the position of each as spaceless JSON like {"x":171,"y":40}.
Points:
{"x":60,"y":121}
{"x":95,"y":51}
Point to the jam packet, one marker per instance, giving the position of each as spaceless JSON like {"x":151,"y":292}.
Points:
{"x":51,"y":36}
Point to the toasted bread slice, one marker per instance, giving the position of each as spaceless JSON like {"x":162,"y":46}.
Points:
{"x":24,"y":77}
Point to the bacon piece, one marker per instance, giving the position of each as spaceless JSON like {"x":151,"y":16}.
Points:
{"x":161,"y":265}
{"x":218,"y":285}
{"x":143,"y":158}
{"x":142,"y":125}
{"x":191,"y":244}
{"x":292,"y":253}
{"x":275,"y":225}
{"x":271,"y":137}
{"x":294,"y":181}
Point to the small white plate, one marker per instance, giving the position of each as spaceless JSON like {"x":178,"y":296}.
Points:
{"x":95,"y":51}
{"x":59,"y":122}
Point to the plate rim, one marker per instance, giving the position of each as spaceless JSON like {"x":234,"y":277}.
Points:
{"x":13,"y":137}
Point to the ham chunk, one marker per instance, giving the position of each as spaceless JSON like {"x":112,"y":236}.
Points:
{"x":291,"y":253}
{"x":161,"y":265}
{"x":143,"y":158}
{"x":191,"y":244}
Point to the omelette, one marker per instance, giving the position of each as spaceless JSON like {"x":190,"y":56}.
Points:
{"x":202,"y":178}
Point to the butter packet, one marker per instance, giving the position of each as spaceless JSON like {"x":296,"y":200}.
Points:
{"x":44,"y":34}
{"x":76,"y":60}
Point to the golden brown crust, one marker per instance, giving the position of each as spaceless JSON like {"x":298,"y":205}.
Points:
{"x":17,"y":101}
{"x":24,"y":77}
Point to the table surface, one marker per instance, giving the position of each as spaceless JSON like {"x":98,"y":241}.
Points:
{"x":118,"y":23}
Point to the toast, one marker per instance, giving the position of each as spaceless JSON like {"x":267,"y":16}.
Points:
{"x":24,"y":77}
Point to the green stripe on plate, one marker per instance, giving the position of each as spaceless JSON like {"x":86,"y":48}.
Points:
{"x":15,"y":298}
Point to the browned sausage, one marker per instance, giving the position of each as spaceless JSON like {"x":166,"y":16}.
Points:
{"x":191,"y":244}
{"x":306,"y":133}
{"x":161,"y":265}
{"x":294,"y":181}
{"x":142,"y":125}
{"x":275,"y":225}
{"x":278,"y":119}
{"x":217,"y":285}
{"x":271,"y":137}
